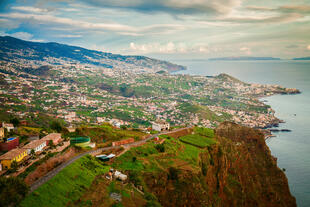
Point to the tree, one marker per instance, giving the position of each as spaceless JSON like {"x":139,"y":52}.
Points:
{"x":12,"y":191}
{"x":51,"y":144}
{"x":32,"y":153}
{"x":173,"y":173}
{"x":15,"y":122}
{"x":14,"y":166}
{"x":160,"y":147}
{"x":56,"y":125}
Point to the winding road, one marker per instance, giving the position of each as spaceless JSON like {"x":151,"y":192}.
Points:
{"x":56,"y":170}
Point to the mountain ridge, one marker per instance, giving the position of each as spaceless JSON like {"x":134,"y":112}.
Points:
{"x":55,"y":53}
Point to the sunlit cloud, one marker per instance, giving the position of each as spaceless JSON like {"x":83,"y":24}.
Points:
{"x":160,"y":28}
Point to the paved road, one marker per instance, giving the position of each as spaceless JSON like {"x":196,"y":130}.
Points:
{"x":56,"y":170}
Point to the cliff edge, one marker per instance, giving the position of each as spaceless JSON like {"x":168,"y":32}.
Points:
{"x":238,"y":170}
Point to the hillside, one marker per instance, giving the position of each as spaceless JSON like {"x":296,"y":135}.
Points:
{"x":232,"y":167}
{"x":302,"y":58}
{"x":13,"y":49}
{"x":243,"y":58}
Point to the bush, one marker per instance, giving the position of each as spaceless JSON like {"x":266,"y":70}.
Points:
{"x":134,"y":178}
{"x":12,"y":191}
{"x":160,"y":147}
{"x":173,"y":173}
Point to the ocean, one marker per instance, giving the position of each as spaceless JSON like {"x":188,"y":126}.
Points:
{"x":291,"y":148}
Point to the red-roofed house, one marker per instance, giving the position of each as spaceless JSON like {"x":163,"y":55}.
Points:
{"x":55,"y":137}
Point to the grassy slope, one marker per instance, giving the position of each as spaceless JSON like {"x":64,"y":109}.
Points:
{"x":197,"y":140}
{"x":66,"y":186}
{"x":148,"y":159}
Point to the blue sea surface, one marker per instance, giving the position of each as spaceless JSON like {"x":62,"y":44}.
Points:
{"x":291,"y":148}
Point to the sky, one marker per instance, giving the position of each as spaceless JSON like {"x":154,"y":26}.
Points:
{"x":166,"y":29}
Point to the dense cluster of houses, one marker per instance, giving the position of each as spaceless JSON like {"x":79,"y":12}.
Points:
{"x":18,"y":154}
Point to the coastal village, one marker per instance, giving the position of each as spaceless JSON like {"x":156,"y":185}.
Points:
{"x":78,"y":93}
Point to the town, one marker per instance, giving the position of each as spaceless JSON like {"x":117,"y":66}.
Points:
{"x":79,"y":94}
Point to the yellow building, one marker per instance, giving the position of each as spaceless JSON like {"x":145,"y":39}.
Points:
{"x":1,"y":132}
{"x":15,"y":154}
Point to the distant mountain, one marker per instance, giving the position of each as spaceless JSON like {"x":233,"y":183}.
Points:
{"x":13,"y":49}
{"x":302,"y":58}
{"x":243,"y":58}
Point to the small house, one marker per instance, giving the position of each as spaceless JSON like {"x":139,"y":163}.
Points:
{"x":14,"y":155}
{"x":105,"y":157}
{"x":8,"y":126}
{"x":9,"y":144}
{"x":160,"y":125}
{"x":36,"y":145}
{"x":1,"y":132}
{"x":54,"y":137}
{"x":120,"y":176}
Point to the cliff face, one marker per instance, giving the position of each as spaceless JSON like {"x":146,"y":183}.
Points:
{"x":238,"y":171}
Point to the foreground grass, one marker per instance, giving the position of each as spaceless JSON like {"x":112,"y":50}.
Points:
{"x":68,"y":185}
{"x":197,"y":140}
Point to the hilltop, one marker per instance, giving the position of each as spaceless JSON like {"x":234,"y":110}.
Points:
{"x":37,"y":54}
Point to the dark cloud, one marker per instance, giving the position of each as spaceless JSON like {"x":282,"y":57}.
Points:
{"x":299,"y":9}
{"x":170,"y":6}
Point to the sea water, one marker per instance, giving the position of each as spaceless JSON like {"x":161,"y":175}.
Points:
{"x":291,"y":148}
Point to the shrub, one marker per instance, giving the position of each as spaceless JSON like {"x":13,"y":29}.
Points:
{"x":12,"y":191}
{"x":160,"y":147}
{"x":173,"y":173}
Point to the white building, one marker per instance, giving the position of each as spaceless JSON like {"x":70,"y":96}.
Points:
{"x":160,"y":126}
{"x":120,"y":176}
{"x":8,"y":126}
{"x":36,"y":145}
{"x":100,"y":120}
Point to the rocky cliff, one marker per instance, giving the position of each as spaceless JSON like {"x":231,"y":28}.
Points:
{"x":237,"y":171}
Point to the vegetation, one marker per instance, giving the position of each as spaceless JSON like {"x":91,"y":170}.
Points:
{"x":204,"y":132}
{"x":12,"y":191}
{"x":68,"y":185}
{"x":197,"y":140}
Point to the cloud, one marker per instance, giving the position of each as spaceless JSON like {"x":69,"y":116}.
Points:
{"x":69,"y":35}
{"x":302,"y":9}
{"x":167,"y":48}
{"x":8,"y":24}
{"x":284,"y":18}
{"x":246,"y":50}
{"x":80,"y":24}
{"x":298,"y":9}
{"x":29,"y":9}
{"x":171,"y":6}
{"x":22,"y":35}
{"x":292,"y":46}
